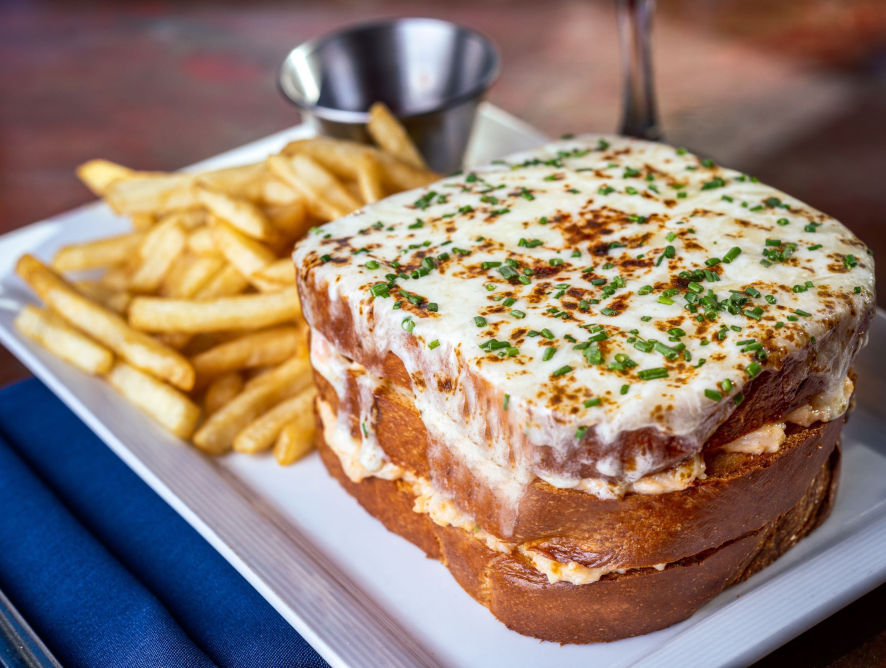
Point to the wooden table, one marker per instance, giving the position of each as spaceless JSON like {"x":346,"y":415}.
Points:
{"x":794,"y":93}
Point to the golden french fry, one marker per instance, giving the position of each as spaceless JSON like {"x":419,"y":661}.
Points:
{"x":200,"y":242}
{"x":116,"y":278}
{"x":338,"y":156}
{"x":369,"y":179}
{"x":62,"y":340}
{"x":277,"y":193}
{"x":104,"y":325}
{"x":255,"y":349}
{"x":243,"y":181}
{"x":97,"y":254}
{"x":325,"y":195}
{"x":142,"y":222}
{"x":281,"y":271}
{"x":222,"y":390}
{"x":289,"y":219}
{"x":296,"y":439}
{"x":175,"y":340}
{"x":189,"y":219}
{"x":246,"y":255}
{"x":189,"y":273}
{"x":391,"y":136}
{"x":97,"y":175}
{"x":261,"y":433}
{"x":240,"y":214}
{"x":153,"y":193}
{"x":155,"y":314}
{"x":168,"y":406}
{"x":216,"y":435}
{"x":101,"y":293}
{"x":159,"y":250}
{"x":226,"y":282}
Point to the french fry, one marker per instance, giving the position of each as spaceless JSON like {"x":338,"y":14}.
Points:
{"x":168,"y":406}
{"x":277,"y":193}
{"x":240,"y":214}
{"x":391,"y":136}
{"x":281,"y":271}
{"x":246,"y":255}
{"x":97,"y":175}
{"x":255,"y":349}
{"x":101,"y":293}
{"x":325,"y":195}
{"x":226,"y":282}
{"x":289,"y":219}
{"x":142,"y":222}
{"x":200,"y":241}
{"x":222,"y":390}
{"x":369,"y":179}
{"x":97,"y":254}
{"x":216,"y":435}
{"x":261,"y":433}
{"x":104,"y":325}
{"x":155,"y":314}
{"x":189,"y":273}
{"x":117,"y":279}
{"x":338,"y":156}
{"x":59,"y":338}
{"x":153,"y":193}
{"x":242,"y":181}
{"x":159,"y":250}
{"x":296,"y":439}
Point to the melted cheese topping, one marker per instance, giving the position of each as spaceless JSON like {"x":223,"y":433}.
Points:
{"x":601,"y":285}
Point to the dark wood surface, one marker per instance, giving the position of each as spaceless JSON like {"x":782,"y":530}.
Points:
{"x":792,"y":92}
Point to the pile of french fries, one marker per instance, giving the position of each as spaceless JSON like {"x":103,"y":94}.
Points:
{"x":194,"y":316}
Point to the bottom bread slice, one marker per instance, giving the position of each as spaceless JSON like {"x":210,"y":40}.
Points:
{"x":620,"y":604}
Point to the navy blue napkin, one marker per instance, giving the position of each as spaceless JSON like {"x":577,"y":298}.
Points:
{"x":103,"y":569}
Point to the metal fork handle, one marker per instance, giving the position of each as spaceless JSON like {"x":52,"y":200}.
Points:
{"x":639,"y":115}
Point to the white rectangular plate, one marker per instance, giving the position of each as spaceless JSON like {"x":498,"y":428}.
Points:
{"x":365,"y":597}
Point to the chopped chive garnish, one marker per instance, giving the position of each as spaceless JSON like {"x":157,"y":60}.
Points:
{"x":652,"y":374}
{"x":596,"y":401}
{"x":562,"y":371}
{"x":753,"y":369}
{"x":624,"y":389}
{"x":379,"y":290}
{"x":731,"y":254}
{"x":518,"y":314}
{"x":850,"y":261}
{"x":665,"y":300}
{"x":408,"y":324}
{"x":548,"y":334}
{"x":434,"y":344}
{"x":480,"y":321}
{"x":433,"y":307}
{"x":580,"y":433}
{"x":608,"y":311}
{"x":548,"y":353}
{"x":505,"y":401}
{"x":802,"y":313}
{"x":713,"y":394}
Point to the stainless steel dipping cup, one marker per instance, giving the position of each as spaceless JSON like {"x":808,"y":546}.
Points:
{"x":432,"y":74}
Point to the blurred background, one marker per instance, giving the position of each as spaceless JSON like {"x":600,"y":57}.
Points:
{"x":793,"y":92}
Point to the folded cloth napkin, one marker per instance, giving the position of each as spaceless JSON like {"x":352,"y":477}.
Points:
{"x":106,"y":573}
